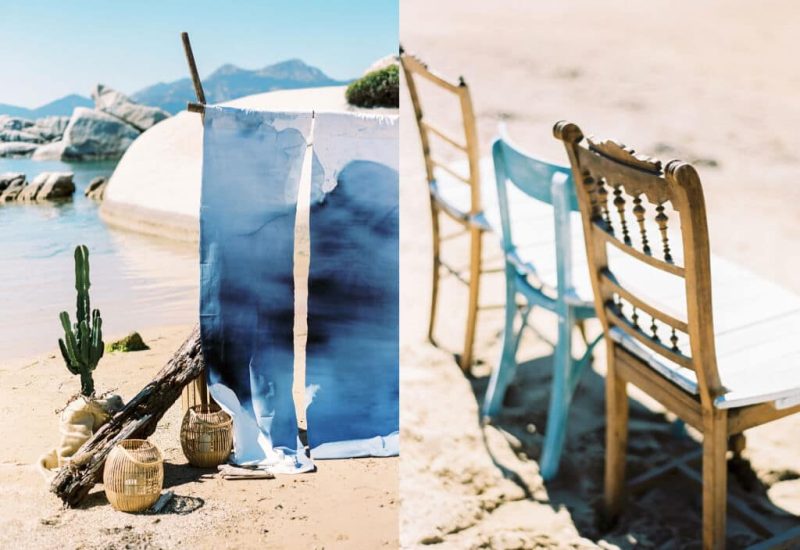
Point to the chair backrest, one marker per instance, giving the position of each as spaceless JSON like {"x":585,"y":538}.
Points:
{"x":543,"y":181}
{"x":630,"y":203}
{"x":466,"y":145}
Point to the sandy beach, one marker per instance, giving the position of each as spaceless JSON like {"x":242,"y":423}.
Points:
{"x":345,"y":504}
{"x":713,"y":84}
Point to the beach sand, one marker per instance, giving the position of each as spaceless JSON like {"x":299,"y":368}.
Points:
{"x":712,"y":83}
{"x":345,"y":504}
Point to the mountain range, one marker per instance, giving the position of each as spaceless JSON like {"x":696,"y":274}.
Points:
{"x":63,"y":107}
{"x":227,"y":82}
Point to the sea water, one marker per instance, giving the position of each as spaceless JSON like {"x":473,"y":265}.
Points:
{"x":138,"y":282}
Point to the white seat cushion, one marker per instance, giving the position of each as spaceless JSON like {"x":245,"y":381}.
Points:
{"x":757,"y":335}
{"x":533,"y":225}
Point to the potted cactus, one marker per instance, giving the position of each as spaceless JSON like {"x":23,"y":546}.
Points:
{"x":82,"y":348}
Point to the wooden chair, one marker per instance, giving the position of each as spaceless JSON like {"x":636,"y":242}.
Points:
{"x":457,"y":195}
{"x":533,"y":194}
{"x":719,"y":378}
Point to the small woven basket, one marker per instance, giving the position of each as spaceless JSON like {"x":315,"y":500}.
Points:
{"x":206,"y":436}
{"x":133,"y":475}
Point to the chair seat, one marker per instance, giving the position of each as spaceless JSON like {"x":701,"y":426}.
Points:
{"x":454,"y":195}
{"x":757,"y":338}
{"x":533,"y":225}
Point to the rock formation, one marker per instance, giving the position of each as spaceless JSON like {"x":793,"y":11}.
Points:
{"x":93,"y":134}
{"x":121,"y":106}
{"x":22,"y":130}
{"x":47,"y":186}
{"x":10,"y":185}
{"x":96,"y":188}
{"x":89,"y":134}
{"x":17,"y":149}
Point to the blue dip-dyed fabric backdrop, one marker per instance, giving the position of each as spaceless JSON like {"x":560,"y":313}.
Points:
{"x":352,"y":355}
{"x":252,"y":167}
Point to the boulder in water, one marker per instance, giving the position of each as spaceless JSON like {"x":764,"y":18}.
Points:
{"x":11,"y":184}
{"x":49,"y":151}
{"x":56,"y":185}
{"x":17,"y":149}
{"x":96,"y":188}
{"x":95,"y":135}
{"x":48,"y":186}
{"x":49,"y":128}
{"x":10,"y":179}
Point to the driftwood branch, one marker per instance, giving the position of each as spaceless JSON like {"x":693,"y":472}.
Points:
{"x":137,"y":420}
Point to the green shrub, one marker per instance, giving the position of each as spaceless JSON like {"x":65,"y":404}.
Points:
{"x":379,"y":88}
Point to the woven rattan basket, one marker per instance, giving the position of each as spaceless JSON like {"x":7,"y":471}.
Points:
{"x":206,"y":436}
{"x":133,"y":475}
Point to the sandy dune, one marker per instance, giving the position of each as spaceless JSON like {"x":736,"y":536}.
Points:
{"x":713,"y":83}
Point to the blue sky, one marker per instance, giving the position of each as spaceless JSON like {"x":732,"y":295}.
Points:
{"x":51,"y":48}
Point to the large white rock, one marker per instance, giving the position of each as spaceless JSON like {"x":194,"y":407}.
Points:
{"x":49,"y":186}
{"x":50,"y":151}
{"x":121,"y":106}
{"x":156,"y":186}
{"x":93,"y":134}
{"x":49,"y":128}
{"x":8,"y":122}
{"x":17,"y":149}
{"x":19,"y":135}
{"x":17,"y":129}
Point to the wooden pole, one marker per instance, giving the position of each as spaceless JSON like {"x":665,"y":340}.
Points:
{"x":199,"y":387}
{"x":198,"y":85}
{"x":200,"y":106}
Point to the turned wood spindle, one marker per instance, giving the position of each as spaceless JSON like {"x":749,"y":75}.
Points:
{"x":591,"y":190}
{"x":654,"y":329}
{"x":619,"y":202}
{"x":602,"y":195}
{"x":662,"y":220}
{"x":639,"y":212}
{"x":619,"y":304}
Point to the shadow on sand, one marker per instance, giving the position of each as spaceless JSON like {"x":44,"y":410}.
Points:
{"x":666,"y":514}
{"x":175,"y":475}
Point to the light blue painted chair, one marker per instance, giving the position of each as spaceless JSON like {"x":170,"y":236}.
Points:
{"x":537,"y":186}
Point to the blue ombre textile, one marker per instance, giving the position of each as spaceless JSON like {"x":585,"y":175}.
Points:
{"x":352,"y":354}
{"x":251,"y":172}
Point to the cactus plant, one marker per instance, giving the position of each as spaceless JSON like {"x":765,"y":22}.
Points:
{"x":82,"y":345}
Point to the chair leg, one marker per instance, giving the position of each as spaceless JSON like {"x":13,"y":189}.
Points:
{"x":581,"y":324}
{"x":504,"y":373}
{"x":737,"y":444}
{"x":558,"y":410}
{"x":616,"y":438}
{"x":715,"y":478}
{"x":437,"y":264}
{"x":476,"y":241}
